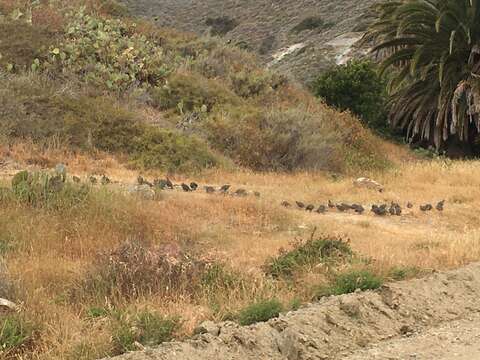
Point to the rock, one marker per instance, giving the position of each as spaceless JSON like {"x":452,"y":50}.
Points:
{"x":208,"y":327}
{"x":368,"y":184}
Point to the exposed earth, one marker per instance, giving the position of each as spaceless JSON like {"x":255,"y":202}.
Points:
{"x":432,"y":318}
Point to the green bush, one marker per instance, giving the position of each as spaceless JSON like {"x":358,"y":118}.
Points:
{"x":357,"y":87}
{"x":15,"y":332}
{"x":350,"y":281}
{"x":402,"y":273}
{"x":146,"y":328}
{"x":309,"y":253}
{"x":260,"y":312}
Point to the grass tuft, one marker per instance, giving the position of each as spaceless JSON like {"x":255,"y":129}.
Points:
{"x":260,"y":312}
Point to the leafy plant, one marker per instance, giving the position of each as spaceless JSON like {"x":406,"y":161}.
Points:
{"x":309,"y":253}
{"x":14,"y":332}
{"x":260,"y":311}
{"x":357,"y":87}
{"x":350,"y":281}
{"x":431,"y":48}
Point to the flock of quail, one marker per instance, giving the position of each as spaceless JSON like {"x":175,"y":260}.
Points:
{"x":394,"y":209}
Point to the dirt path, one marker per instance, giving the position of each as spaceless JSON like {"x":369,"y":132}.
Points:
{"x":402,"y":318}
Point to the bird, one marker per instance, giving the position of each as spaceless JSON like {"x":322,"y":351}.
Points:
{"x":105,"y":180}
{"x":55,"y":183}
{"x":286,"y":204}
{"x":76,"y":179}
{"x":391,"y":209}
{"x":193,"y":186}
{"x":140,"y":180}
{"x":409,"y":205}
{"x":209,"y":189}
{"x":240,"y":192}
{"x":331,"y":205}
{"x":169,"y":183}
{"x":426,"y":207}
{"x":160,"y":183}
{"x":224,"y":188}
{"x":343,"y":207}
{"x":300,"y":204}
{"x":322,"y":209}
{"x":93,"y":179}
{"x":398,"y":210}
{"x":310,"y":208}
{"x":359,"y":209}
{"x":440,"y":205}
{"x":185,"y":187}
{"x":256,"y":193}
{"x":61,"y":170}
{"x":379,"y":210}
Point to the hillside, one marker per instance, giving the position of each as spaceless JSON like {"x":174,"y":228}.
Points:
{"x":296,"y":37}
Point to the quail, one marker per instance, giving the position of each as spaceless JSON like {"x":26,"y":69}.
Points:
{"x":140,"y":180}
{"x":209,"y":189}
{"x":359,"y":209}
{"x":310,"y":208}
{"x":224,"y":188}
{"x":391,"y":209}
{"x":185,"y":187}
{"x":343,"y":207}
{"x":426,"y":207}
{"x":76,"y":179}
{"x":440,"y":205}
{"x":256,"y":193}
{"x":331,"y":205}
{"x":286,"y":204}
{"x":322,"y":209}
{"x":160,"y":183}
{"x":241,"y":192}
{"x":193,"y":186}
{"x":300,"y":204}
{"x":409,"y":205}
{"x":398,"y":210}
{"x":379,"y":210}
{"x":105,"y":180}
{"x":93,"y":179}
{"x":169,"y":183}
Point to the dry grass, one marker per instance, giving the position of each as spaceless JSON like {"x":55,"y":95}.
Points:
{"x":53,"y":251}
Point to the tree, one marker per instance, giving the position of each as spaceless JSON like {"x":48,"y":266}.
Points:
{"x":432,"y":50}
{"x":357,"y":87}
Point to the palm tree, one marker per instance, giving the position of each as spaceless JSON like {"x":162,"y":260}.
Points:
{"x":431,"y":50}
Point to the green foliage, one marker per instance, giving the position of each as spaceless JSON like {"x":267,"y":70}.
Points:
{"x":309,"y":253}
{"x":260,"y":312}
{"x":46,"y":190}
{"x":146,"y":328}
{"x":350,"y":281}
{"x":15,"y":331}
{"x":108,"y":53}
{"x":357,"y":87}
{"x":311,"y":23}
{"x":431,"y":49}
{"x":402,"y":273}
{"x":222,"y":25}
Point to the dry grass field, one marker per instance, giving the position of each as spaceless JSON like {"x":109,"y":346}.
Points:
{"x":51,"y":254}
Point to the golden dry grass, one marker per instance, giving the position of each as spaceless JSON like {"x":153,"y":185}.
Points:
{"x":54,"y":250}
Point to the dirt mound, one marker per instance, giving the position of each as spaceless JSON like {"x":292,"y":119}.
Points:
{"x":336,"y":326}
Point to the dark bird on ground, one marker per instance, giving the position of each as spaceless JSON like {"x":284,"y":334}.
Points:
{"x":93,"y":179}
{"x":240,"y":192}
{"x":398,"y":210}
{"x":379,"y":210}
{"x":300,"y":204}
{"x":286,"y":204}
{"x":343,"y":207}
{"x":409,"y":205}
{"x":169,"y":183}
{"x":105,"y":180}
{"x":426,"y":207}
{"x":391,"y":209}
{"x":185,"y":187}
{"x":55,"y":183}
{"x":193,"y":186}
{"x":310,"y":208}
{"x":331,"y":205}
{"x":256,"y":193}
{"x":440,"y":205}
{"x":140,"y":180}
{"x":322,"y":209}
{"x":160,"y":183}
{"x":359,"y":209}
{"x":224,"y":188}
{"x":209,"y":189}
{"x":76,"y":179}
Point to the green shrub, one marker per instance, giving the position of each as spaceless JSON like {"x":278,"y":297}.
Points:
{"x":15,"y":332}
{"x":311,"y":23}
{"x":309,"y":253}
{"x":350,"y":281}
{"x":402,"y":273}
{"x":357,"y":87}
{"x":260,"y":312}
{"x":146,"y":328}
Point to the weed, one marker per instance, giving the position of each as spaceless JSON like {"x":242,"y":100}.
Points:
{"x":309,"y":253}
{"x":402,"y":273}
{"x":350,"y":281}
{"x":15,"y":332}
{"x":260,"y":311}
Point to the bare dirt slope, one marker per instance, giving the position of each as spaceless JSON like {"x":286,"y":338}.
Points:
{"x":268,"y":27}
{"x":338,"y":327}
